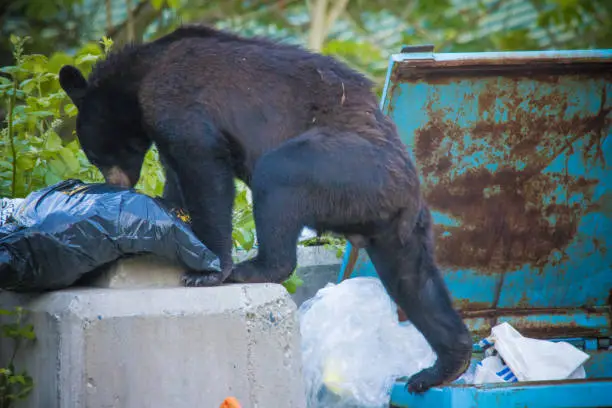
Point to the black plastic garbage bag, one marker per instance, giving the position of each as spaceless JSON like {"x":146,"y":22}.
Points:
{"x":61,"y":233}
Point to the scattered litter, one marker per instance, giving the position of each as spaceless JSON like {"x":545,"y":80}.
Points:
{"x":491,"y":370}
{"x":230,"y":402}
{"x":353,"y":347}
{"x":512,"y":357}
{"x":536,"y":360}
{"x":60,"y":233}
{"x":7,"y":208}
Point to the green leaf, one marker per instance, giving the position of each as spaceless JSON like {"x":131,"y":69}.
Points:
{"x":17,"y":379}
{"x":12,"y":70}
{"x":107,"y":44}
{"x":28,"y":85}
{"x":87,"y":58}
{"x":293,"y":283}
{"x":157,"y":4}
{"x":41,"y":113}
{"x":51,"y":178}
{"x":57,"y":167}
{"x":70,"y":109}
{"x":35,"y":62}
{"x":53,"y":142}
{"x":25,"y":163}
{"x":57,"y":61}
{"x":27,"y":332}
{"x":70,"y":159}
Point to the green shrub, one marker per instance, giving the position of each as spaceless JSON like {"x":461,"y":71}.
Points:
{"x":14,"y":385}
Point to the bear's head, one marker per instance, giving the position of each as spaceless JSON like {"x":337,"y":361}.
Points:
{"x":108,"y":127}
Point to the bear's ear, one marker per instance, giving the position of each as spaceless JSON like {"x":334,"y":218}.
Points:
{"x":74,"y":83}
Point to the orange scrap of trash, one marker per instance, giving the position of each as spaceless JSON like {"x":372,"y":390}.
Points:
{"x":230,"y":402}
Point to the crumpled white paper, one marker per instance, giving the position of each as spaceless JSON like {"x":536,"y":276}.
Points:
{"x":537,"y":360}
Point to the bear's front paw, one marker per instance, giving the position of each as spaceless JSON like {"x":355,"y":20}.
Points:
{"x":202,"y":279}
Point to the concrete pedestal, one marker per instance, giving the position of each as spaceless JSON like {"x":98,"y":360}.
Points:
{"x":172,"y":347}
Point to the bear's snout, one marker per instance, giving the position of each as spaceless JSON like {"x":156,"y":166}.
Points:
{"x":117,"y":177}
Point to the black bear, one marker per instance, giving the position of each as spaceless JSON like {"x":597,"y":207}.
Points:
{"x":303,"y":130}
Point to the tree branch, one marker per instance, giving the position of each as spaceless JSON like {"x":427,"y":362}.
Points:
{"x":143,"y":15}
{"x":337,"y":9}
{"x":109,"y":16}
{"x":316,"y":37}
{"x":130,"y":21}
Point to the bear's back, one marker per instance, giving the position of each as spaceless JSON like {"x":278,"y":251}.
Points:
{"x":219,"y":56}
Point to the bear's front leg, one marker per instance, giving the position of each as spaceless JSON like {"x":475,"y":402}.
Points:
{"x":199,"y":158}
{"x":209,"y":197}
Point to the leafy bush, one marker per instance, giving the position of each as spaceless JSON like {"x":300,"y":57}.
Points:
{"x":15,"y":386}
{"x":34,"y":155}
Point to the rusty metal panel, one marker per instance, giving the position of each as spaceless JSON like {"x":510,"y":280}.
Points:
{"x":514,"y":155}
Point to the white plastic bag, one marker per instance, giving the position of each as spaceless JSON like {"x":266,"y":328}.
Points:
{"x":537,"y":360}
{"x":353,"y":347}
{"x":493,"y":370}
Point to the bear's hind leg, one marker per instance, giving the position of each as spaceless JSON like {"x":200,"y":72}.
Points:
{"x":278,"y":220}
{"x":412,"y":279}
{"x":322,"y":179}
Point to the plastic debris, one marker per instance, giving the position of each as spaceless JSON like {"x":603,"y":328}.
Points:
{"x":512,"y":357}
{"x":61,"y":233}
{"x":353,"y":346}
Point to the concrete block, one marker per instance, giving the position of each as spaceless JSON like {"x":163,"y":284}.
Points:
{"x":317,"y":266}
{"x":142,"y":271}
{"x":162,"y":347}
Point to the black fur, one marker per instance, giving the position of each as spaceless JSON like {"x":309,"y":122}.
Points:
{"x":302,"y":130}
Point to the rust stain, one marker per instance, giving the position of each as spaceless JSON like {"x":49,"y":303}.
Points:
{"x":542,"y":331}
{"x":547,"y":331}
{"x":530,"y":328}
{"x":468,"y":305}
{"x":529,"y":311}
{"x":486,"y":102}
{"x":510,"y":215}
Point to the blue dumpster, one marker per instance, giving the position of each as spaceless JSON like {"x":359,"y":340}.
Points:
{"x":514,"y":153}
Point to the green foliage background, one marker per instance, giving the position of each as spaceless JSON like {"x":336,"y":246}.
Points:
{"x":15,"y":385}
